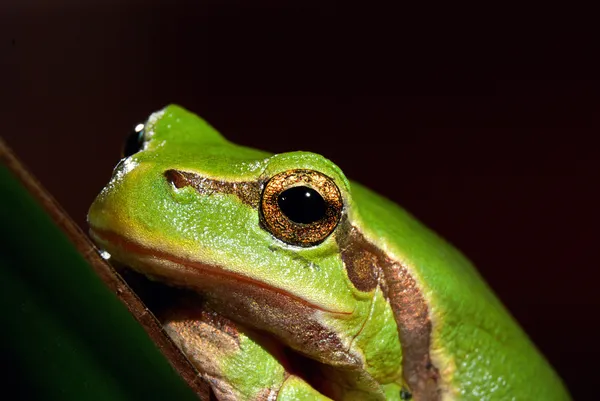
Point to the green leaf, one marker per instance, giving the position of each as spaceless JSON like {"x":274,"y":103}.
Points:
{"x":65,"y":335}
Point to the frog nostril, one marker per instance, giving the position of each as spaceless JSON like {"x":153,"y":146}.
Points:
{"x":176,"y":178}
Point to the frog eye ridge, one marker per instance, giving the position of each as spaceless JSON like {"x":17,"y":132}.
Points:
{"x":301,"y":207}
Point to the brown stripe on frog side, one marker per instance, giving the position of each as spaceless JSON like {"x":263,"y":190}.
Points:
{"x":365,"y":264}
{"x":247,"y":191}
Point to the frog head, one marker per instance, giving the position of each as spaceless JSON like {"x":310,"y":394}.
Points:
{"x":258,"y":234}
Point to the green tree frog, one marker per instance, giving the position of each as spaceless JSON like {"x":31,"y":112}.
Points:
{"x":310,"y":286}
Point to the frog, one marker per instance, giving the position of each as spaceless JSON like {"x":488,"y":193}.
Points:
{"x":302,"y":284}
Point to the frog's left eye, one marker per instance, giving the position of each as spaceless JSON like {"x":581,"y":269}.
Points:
{"x":134,"y":141}
{"x":301,"y":207}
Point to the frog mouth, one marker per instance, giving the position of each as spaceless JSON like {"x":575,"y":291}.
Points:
{"x":191,"y":274}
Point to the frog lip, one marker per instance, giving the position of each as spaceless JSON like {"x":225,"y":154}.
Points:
{"x":192,"y":268}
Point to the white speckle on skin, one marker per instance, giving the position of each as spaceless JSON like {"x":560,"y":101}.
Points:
{"x":128,"y":165}
{"x":272,"y":395}
{"x":105,"y":255}
{"x":255,"y":166}
{"x":152,"y":120}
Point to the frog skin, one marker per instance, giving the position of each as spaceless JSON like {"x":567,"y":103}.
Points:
{"x":294,"y":256}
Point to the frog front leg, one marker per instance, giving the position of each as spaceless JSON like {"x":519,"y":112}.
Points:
{"x":240,"y":365}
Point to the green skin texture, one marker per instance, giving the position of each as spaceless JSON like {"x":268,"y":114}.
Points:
{"x":479,"y":350}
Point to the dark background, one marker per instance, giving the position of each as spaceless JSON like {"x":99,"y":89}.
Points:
{"x":483,"y":123}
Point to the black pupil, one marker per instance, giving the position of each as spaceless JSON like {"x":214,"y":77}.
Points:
{"x":133,"y":143}
{"x":302,"y":205}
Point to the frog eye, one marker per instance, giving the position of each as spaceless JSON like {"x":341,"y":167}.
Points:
{"x":134,"y":141}
{"x":301,"y":207}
